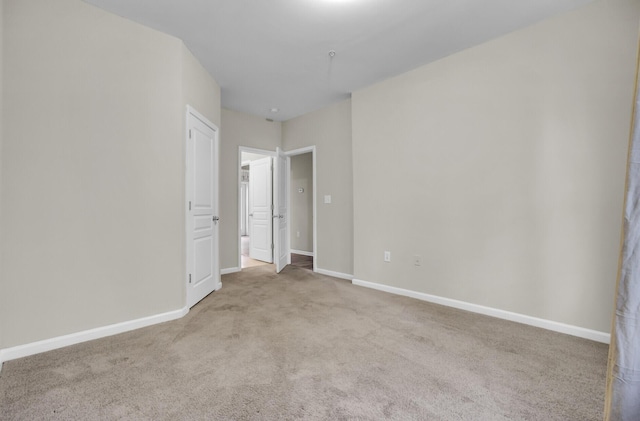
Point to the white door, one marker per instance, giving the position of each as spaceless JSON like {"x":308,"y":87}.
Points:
{"x":244,"y":209}
{"x":203,"y":267}
{"x":281,"y":216}
{"x":260,"y":210}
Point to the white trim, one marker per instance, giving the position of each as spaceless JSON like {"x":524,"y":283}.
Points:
{"x":580,"y":332}
{"x":315,"y":211}
{"x":226,"y":271}
{"x":20,"y":351}
{"x":199,"y":116}
{"x":334,"y":274}
{"x":287,"y":182}
{"x":302,"y":252}
{"x":278,"y":248}
{"x":300,"y":151}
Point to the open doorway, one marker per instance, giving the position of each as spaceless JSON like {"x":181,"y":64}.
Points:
{"x":256,"y":199}
{"x":301,"y":195}
{"x":302,"y":208}
{"x":265,"y":190}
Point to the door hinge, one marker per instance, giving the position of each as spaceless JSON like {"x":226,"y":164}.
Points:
{"x":189,"y":278}
{"x":271,"y":246}
{"x":189,"y":133}
{"x":272,"y":208}
{"x":189,"y":204}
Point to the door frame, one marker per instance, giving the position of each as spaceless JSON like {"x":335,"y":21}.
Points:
{"x":289,"y":154}
{"x":192,"y":112}
{"x":239,"y":188}
{"x":281,"y":167}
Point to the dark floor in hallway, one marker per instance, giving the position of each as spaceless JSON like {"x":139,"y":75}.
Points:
{"x":301,"y":261}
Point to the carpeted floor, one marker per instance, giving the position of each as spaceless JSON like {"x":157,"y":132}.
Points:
{"x":303,"y":345}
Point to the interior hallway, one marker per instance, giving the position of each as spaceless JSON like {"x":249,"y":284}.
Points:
{"x":301,"y":261}
{"x":304,"y":262}
{"x":246,"y":261}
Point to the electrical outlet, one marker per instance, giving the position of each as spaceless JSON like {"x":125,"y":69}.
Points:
{"x":387,"y":256}
{"x":417,"y":260}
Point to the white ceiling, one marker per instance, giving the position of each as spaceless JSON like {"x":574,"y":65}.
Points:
{"x":275,"y":53}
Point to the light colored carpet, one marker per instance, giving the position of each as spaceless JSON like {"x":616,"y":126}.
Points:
{"x":303,"y":345}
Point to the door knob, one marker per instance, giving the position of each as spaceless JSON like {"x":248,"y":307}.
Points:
{"x":216,"y":219}
{"x":251,"y":215}
{"x":281,"y":216}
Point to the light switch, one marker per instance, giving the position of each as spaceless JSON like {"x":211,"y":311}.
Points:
{"x":327,"y":198}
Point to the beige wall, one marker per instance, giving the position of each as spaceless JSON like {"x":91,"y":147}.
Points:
{"x":329,"y":129}
{"x":238,"y":129}
{"x":301,"y":212}
{"x":92,"y":168}
{"x":503,"y":167}
{"x":199,"y":89}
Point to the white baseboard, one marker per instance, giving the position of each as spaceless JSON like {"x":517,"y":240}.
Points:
{"x":20,"y":351}
{"x":334,"y":274}
{"x":302,"y":252}
{"x":580,"y":332}
{"x":229,"y":270}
